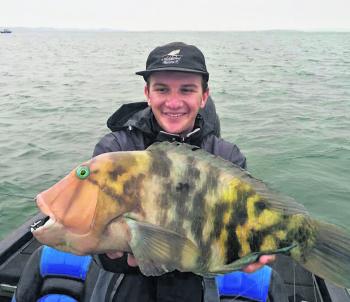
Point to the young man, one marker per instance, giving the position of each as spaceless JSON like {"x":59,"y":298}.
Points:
{"x":178,"y":108}
{"x":177,"y":93}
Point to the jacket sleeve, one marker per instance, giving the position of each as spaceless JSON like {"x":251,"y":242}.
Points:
{"x":121,"y":140}
{"x":225,"y":150}
{"x":108,"y":143}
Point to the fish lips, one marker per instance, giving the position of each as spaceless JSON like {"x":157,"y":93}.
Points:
{"x":43,"y":206}
{"x":43,"y":224}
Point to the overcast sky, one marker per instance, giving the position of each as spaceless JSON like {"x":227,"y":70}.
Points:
{"x":178,"y":14}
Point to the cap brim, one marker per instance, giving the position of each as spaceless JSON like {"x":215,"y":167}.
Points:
{"x":146,"y":73}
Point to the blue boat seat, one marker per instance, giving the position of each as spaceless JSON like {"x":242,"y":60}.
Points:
{"x":58,"y":263}
{"x":253,"y":286}
{"x":53,"y":276}
{"x":57,"y":298}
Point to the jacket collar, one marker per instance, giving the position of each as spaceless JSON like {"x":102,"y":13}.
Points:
{"x":194,"y":137}
{"x":140,"y":116}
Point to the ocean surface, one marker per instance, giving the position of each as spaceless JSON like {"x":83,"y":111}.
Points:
{"x":283,"y":97}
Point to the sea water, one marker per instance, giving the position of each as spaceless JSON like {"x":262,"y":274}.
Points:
{"x":282,"y":97}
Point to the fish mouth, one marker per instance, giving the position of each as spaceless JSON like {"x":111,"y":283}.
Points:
{"x":37,"y":224}
{"x":42,"y":224}
{"x":46,"y":222}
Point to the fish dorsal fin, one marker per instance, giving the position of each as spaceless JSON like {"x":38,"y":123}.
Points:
{"x":197,"y":153}
{"x":275,"y":200}
{"x":159,"y":250}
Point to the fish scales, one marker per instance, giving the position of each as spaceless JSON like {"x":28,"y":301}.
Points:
{"x":177,"y":207}
{"x":188,"y":203}
{"x":192,"y":194}
{"x":185,"y":194}
{"x":236,"y":236}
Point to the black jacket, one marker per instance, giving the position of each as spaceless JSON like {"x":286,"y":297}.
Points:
{"x":135,"y":128}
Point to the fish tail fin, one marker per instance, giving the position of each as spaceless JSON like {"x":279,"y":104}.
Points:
{"x":330,"y":257}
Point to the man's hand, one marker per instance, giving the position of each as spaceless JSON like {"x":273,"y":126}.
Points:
{"x":131,"y":259}
{"x":264,"y":259}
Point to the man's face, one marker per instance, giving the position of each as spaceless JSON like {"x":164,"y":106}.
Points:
{"x":175,"y":99}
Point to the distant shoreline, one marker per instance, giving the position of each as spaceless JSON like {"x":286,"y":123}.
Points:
{"x":51,"y":29}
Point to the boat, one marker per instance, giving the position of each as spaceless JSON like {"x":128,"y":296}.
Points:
{"x":300,"y":285}
{"x":5,"y":31}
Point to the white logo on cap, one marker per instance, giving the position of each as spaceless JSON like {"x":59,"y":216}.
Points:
{"x":174,"y":52}
{"x":172,"y":57}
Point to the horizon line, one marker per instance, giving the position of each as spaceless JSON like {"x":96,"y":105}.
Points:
{"x":171,"y":30}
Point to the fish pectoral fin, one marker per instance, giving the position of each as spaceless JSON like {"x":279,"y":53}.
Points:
{"x":159,"y":250}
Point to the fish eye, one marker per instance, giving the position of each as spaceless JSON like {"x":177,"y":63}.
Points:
{"x":82,"y":172}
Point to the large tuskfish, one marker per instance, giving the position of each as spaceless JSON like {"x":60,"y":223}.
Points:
{"x":175,"y":206}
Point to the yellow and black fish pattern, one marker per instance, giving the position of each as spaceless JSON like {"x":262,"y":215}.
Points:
{"x":186,"y":209}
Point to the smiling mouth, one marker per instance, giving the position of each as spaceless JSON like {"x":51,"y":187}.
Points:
{"x":174,"y":115}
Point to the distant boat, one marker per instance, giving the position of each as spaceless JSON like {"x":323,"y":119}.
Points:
{"x":5,"y":31}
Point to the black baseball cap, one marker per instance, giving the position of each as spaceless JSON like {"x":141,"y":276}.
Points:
{"x":175,"y":56}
